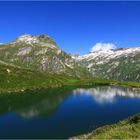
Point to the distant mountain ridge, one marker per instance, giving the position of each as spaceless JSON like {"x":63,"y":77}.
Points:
{"x":119,"y":64}
{"x":40,"y":53}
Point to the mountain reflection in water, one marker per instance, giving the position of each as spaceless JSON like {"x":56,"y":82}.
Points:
{"x":39,"y":103}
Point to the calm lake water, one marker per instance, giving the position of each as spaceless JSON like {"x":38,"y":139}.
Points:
{"x":64,"y":113}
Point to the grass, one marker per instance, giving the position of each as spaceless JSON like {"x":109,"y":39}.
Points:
{"x":130,"y":84}
{"x":14,"y":79}
{"x":126,"y":129}
{"x":135,"y":85}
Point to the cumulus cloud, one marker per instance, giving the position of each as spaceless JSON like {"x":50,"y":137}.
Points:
{"x":103,"y":47}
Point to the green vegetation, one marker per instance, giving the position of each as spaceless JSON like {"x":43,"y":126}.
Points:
{"x":127,"y":129}
{"x":14,"y":79}
{"x":130,"y":84}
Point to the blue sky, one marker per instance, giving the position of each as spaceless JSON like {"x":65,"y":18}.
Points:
{"x":75,"y":26}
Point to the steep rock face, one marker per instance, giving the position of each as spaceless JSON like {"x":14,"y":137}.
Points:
{"x":118,"y":64}
{"x":40,"y":53}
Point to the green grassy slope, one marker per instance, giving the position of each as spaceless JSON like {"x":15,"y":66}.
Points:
{"x":13,"y":78}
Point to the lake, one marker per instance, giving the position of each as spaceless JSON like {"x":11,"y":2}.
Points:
{"x":64,"y":112}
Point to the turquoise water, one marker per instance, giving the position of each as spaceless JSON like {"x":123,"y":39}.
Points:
{"x":64,"y":113}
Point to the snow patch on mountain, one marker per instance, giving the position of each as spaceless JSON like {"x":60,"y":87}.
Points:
{"x":108,"y":54}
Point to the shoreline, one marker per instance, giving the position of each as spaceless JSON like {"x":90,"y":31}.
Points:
{"x":130,"y":130}
{"x":77,"y":83}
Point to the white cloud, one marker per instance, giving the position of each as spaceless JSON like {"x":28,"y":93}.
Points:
{"x":103,"y":47}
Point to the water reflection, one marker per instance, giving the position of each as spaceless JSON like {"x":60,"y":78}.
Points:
{"x":44,"y":108}
{"x":64,"y":112}
{"x":45,"y":103}
{"x":107,"y":94}
{"x":42,"y":103}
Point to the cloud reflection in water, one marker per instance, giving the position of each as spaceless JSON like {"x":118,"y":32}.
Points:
{"x":107,"y":94}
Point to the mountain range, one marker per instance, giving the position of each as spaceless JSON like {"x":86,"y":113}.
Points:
{"x":121,"y":64}
{"x":41,"y":53}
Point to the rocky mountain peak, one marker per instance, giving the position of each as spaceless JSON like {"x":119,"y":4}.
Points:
{"x":43,"y":37}
{"x":29,"y":39}
{"x":40,"y":52}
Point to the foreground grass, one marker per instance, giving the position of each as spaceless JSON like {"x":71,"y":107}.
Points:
{"x":127,"y":129}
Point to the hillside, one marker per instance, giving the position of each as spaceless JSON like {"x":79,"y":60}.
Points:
{"x":40,"y":53}
{"x":117,"y":64}
{"x":14,"y":79}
